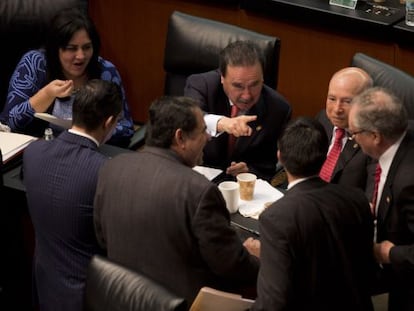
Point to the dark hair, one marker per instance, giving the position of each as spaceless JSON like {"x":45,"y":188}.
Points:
{"x":166,"y":115}
{"x":240,"y":53}
{"x":62,"y":27}
{"x":95,"y":102}
{"x":380,"y":111}
{"x":303,"y":147}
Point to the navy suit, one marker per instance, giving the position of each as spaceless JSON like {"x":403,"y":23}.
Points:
{"x":316,"y":250}
{"x":353,"y":165}
{"x":60,"y":178}
{"x":395,"y":222}
{"x":258,"y":150}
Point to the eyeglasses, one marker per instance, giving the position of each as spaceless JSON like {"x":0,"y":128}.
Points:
{"x":353,"y":134}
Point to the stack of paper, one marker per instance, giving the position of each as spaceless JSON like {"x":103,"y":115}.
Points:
{"x":208,"y":172}
{"x":12,"y":144}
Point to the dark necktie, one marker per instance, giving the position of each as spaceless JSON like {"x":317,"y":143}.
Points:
{"x":375,"y":194}
{"x":232,"y":138}
{"x":333,"y":155}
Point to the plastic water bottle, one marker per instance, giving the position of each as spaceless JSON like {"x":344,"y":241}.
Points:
{"x":48,"y":134}
{"x":409,"y":14}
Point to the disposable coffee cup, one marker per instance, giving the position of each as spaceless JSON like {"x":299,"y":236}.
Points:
{"x":230,"y":192}
{"x":247,"y":183}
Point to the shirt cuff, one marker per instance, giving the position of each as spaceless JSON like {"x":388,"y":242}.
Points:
{"x":211,"y":121}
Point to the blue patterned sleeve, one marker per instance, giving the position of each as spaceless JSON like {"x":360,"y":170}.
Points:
{"x":125,"y":127}
{"x":28,"y":78}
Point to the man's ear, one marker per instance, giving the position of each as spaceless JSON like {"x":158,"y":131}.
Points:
{"x":109,"y":122}
{"x":378,"y":138}
{"x":179,"y":138}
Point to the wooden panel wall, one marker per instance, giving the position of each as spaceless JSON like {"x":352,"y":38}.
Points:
{"x":133,"y":35}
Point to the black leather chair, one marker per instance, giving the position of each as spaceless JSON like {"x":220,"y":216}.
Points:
{"x":112,"y":287}
{"x":193,"y":45}
{"x":22,"y":27}
{"x":390,"y":77}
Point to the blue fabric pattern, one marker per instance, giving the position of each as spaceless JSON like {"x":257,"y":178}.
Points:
{"x":30,"y":76}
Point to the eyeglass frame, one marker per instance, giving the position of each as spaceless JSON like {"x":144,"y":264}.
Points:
{"x":353,"y":134}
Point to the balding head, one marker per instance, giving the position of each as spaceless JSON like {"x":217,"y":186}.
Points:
{"x":344,"y":85}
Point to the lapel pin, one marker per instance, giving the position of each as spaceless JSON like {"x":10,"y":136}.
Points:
{"x":258,"y":128}
{"x":388,"y":200}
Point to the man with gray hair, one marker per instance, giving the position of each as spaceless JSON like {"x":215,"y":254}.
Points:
{"x":378,"y":122}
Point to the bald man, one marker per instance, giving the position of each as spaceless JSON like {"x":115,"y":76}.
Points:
{"x":351,"y":166}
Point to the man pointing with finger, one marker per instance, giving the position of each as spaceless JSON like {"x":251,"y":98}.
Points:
{"x":244,"y":117}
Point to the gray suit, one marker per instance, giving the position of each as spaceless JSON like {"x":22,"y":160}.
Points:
{"x":158,"y":216}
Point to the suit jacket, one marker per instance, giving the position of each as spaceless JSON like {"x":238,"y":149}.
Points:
{"x":60,"y":178}
{"x":316,"y":250}
{"x":395,"y":222}
{"x":258,"y":150}
{"x":158,"y":216}
{"x":353,"y":165}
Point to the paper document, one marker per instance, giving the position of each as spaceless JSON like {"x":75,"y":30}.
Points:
{"x":65,"y":123}
{"x":210,"y":299}
{"x":264,"y":195}
{"x":208,"y":172}
{"x":12,"y":143}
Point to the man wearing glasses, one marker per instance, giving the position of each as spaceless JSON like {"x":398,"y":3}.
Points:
{"x":378,"y":122}
{"x":243,"y":116}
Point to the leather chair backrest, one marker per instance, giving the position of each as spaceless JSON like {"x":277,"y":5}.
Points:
{"x":390,"y":77}
{"x":193,"y":45}
{"x":23,"y":24}
{"x":110,"y":286}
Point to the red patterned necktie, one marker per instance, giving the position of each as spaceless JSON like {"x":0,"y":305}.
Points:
{"x":375,"y":194}
{"x":232,"y":138}
{"x":333,"y":155}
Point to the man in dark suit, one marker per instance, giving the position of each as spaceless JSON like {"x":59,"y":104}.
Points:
{"x":60,"y":176}
{"x":261,"y":114}
{"x":316,"y":241}
{"x":157,"y":215}
{"x":378,"y":121}
{"x":351,"y":166}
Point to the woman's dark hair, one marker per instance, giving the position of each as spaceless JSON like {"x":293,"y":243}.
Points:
{"x":62,"y":27}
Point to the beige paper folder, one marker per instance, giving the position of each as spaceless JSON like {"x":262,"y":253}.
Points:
{"x":210,"y":299}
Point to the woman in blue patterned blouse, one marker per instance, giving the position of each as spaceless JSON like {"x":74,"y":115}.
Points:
{"x":46,"y":79}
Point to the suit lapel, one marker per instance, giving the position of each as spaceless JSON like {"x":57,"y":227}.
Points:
{"x":260,"y":110}
{"x":386,"y":196}
{"x":349,"y":150}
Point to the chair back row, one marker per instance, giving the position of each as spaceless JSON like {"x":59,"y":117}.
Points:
{"x":390,"y":77}
{"x":193,"y":45}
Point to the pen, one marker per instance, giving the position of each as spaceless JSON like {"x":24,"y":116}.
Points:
{"x":245,"y":228}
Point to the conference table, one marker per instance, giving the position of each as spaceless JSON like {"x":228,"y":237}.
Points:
{"x":245,"y":226}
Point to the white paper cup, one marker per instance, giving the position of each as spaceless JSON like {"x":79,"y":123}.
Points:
{"x":230,"y":192}
{"x":246,"y":182}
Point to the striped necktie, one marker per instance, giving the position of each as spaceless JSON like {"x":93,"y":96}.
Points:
{"x":333,"y":155}
{"x":375,"y":194}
